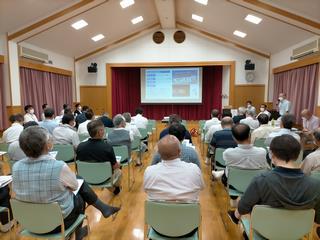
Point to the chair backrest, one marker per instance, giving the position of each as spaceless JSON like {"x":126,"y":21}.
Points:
{"x":4,"y":147}
{"x":38,"y":218}
{"x":241,"y":178}
{"x":201,"y":124}
{"x":83,"y":136}
{"x":218,"y":156}
{"x":260,"y":142}
{"x":94,"y":172}
{"x":135,"y":144}
{"x":65,"y":152}
{"x":153,"y":122}
{"x":172,"y":219}
{"x":143,"y":132}
{"x":281,"y":224}
{"x":315,"y":174}
{"x":121,"y":151}
{"x":149,"y":128}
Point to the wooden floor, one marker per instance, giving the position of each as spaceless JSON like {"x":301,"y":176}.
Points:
{"x":129,"y":223}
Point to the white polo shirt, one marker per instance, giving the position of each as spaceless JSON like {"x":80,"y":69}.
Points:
{"x":12,"y":133}
{"x":140,"y":121}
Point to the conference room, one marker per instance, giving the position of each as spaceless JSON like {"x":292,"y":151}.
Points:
{"x":159,"y":119}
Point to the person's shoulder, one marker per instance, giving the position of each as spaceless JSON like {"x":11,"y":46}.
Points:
{"x":260,"y":150}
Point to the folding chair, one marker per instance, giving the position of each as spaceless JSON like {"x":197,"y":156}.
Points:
{"x":65,"y":152}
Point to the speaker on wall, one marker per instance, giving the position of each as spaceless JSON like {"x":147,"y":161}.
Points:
{"x":179,"y":36}
{"x":249,"y":68}
{"x":158,"y":37}
{"x":93,"y":68}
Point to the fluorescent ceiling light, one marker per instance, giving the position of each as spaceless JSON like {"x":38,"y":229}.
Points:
{"x":97,"y":37}
{"x":253,"y":19}
{"x":204,"y":2}
{"x":197,"y":18}
{"x":80,"y":24}
{"x":137,"y":20}
{"x":126,"y":3}
{"x":239,"y":34}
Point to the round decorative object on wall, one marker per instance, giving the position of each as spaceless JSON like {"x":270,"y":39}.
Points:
{"x":158,"y":37}
{"x":179,"y":36}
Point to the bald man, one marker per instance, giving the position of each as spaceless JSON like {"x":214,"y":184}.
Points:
{"x":310,"y":122}
{"x":172,"y":179}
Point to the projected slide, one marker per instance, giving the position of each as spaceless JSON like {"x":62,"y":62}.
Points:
{"x":171,"y":85}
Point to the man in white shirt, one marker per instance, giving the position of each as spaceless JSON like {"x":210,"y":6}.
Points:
{"x":250,"y":107}
{"x":264,"y":130}
{"x":130,"y":126}
{"x":172,"y":179}
{"x":310,"y":122}
{"x":263,"y":109}
{"x":284,"y":105}
{"x":250,"y":120}
{"x":12,"y":133}
{"x":286,"y":123}
{"x":139,"y":120}
{"x":29,"y":116}
{"x":82,"y":129}
{"x":213,"y":121}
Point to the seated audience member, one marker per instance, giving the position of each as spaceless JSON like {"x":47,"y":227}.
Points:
{"x":13,"y":132}
{"x":64,"y":107}
{"x":82,"y":116}
{"x":211,"y":131}
{"x":264,"y":130}
{"x":250,"y":107}
{"x":49,"y":123}
{"x":120,"y":136}
{"x":130,"y":126}
{"x":96,"y":149}
{"x":50,"y":180}
{"x":139,"y":120}
{"x":213,"y":121}
{"x":224,"y":138}
{"x":78,"y":110}
{"x":286,"y":123}
{"x":107,"y":121}
{"x":310,"y":122}
{"x":241,"y":115}
{"x":285,"y":186}
{"x":312,"y":161}
{"x":188,"y":154}
{"x":172,"y":179}
{"x":15,"y":153}
{"x":263,"y":109}
{"x":82,"y":129}
{"x":250,"y":120}
{"x":65,"y":133}
{"x":44,"y":106}
{"x":245,"y":155}
{"x":29,"y":116}
{"x":175,"y":119}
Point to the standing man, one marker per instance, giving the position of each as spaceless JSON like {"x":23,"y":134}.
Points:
{"x":284,"y":104}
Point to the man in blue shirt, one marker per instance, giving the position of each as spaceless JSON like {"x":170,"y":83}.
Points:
{"x":284,"y":104}
{"x":49,"y":123}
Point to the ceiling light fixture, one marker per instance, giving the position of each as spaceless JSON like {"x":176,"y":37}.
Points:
{"x":137,"y":20}
{"x":239,"y":34}
{"x":204,"y":2}
{"x":197,"y":18}
{"x":253,"y":19}
{"x":79,"y":24}
{"x":97,"y":37}
{"x":126,"y":3}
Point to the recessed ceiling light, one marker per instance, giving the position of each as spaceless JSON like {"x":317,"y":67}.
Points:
{"x":239,"y":34}
{"x":137,"y":20}
{"x":197,"y":18}
{"x":97,"y":37}
{"x":126,"y":3}
{"x":253,"y":19}
{"x":79,"y":24}
{"x":204,"y":2}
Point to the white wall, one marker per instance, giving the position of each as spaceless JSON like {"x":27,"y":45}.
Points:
{"x":194,"y":49}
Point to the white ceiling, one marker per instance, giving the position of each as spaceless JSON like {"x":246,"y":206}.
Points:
{"x":221,"y":17}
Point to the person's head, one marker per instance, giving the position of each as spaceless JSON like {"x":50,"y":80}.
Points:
{"x":119,"y":121}
{"x":214,"y":113}
{"x":29,"y":109}
{"x":250,"y":113}
{"x":89,"y":114}
{"x":169,"y":147}
{"x":241,"y":133}
{"x":305,"y":113}
{"x":105,"y":114}
{"x":85,"y":108}
{"x":174,"y":119}
{"x":287,"y":121}
{"x":48,"y":113}
{"x":282,"y":96}
{"x":78,"y":107}
{"x":64,"y":106}
{"x":96,"y":129}
{"x":68,"y":119}
{"x":263,"y":118}
{"x":44,"y":106}
{"x":29,"y":124}
{"x":249,"y":103}
{"x":284,"y":148}
{"x":242,"y":110}
{"x":127,"y":117}
{"x":139,"y":110}
{"x":16,"y":118}
{"x":67,"y":111}
{"x":316,"y":136}
{"x":178,"y":130}
{"x":263,"y":107}
{"x":226,"y":122}
{"x":35,"y":141}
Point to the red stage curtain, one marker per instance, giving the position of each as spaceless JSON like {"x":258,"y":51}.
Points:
{"x":126,"y":95}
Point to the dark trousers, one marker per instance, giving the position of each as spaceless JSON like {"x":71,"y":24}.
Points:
{"x":5,"y":202}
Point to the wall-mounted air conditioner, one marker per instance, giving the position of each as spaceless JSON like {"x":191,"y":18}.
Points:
{"x":33,"y":54}
{"x":306,"y":49}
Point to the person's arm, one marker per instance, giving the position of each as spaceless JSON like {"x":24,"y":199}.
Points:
{"x":288,"y":106}
{"x":75,"y":140}
{"x":68,"y":178}
{"x":250,"y":198}
{"x":112,"y":158}
{"x":306,"y":165}
{"x":195,"y":158}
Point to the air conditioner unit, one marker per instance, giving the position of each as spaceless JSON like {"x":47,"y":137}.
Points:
{"x":33,"y":54}
{"x":306,"y":49}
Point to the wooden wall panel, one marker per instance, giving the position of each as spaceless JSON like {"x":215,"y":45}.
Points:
{"x":95,"y":97}
{"x":253,"y":92}
{"x":317,"y":113}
